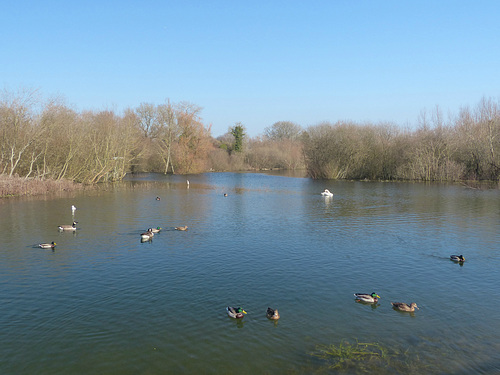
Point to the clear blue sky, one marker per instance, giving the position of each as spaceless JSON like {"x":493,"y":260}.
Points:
{"x":257,"y":62}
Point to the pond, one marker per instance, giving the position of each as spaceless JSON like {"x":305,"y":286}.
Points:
{"x":103,"y":302}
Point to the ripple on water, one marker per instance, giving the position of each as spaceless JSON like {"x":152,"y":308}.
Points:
{"x":104,"y":302}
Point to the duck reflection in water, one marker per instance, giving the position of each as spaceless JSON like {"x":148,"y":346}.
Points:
{"x":373,"y":305}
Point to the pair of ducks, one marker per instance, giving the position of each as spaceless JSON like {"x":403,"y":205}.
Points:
{"x":151,"y":232}
{"x":237,"y":313}
{"x":373,"y":298}
{"x":62,"y":227}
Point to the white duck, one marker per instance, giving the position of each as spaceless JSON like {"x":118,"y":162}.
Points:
{"x":327,"y":193}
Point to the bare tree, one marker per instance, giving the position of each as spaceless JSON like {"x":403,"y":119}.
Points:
{"x":166,"y":134}
{"x":20,"y":130}
{"x":147,"y":119}
{"x":283,"y":130}
{"x":194,"y":142}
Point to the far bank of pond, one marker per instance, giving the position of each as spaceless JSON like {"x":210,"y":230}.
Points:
{"x":18,"y":186}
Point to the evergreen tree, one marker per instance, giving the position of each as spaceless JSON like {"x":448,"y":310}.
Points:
{"x":238,"y":132}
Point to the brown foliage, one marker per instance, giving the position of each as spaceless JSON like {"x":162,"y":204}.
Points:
{"x":17,"y":186}
{"x":191,"y":150}
{"x":279,"y":154}
{"x":466,"y":148}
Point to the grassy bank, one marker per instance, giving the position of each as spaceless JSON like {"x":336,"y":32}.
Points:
{"x":17,"y":186}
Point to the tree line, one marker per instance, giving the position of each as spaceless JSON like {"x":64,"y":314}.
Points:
{"x":466,"y":147}
{"x":46,"y":139}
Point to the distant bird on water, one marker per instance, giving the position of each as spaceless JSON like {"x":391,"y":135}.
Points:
{"x":47,"y":245}
{"x":68,"y":227}
{"x":457,"y":258}
{"x":73,"y":209}
{"x":181,"y":228}
{"x":327,"y":193}
{"x":157,"y":198}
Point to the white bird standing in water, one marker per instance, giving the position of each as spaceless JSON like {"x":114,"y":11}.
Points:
{"x":73,"y":209}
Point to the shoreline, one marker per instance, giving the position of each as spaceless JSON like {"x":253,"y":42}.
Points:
{"x":11,"y":187}
{"x":21,"y":187}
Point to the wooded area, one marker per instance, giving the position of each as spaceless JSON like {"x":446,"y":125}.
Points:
{"x":467,"y":147}
{"x":46,"y":139}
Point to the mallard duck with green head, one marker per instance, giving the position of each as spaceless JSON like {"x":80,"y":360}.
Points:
{"x":235,"y":312}
{"x":156,"y":230}
{"x":47,"y":245}
{"x":457,"y":258}
{"x":367,"y":298}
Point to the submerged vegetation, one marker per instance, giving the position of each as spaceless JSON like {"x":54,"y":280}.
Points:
{"x":47,"y":140}
{"x":367,"y":358}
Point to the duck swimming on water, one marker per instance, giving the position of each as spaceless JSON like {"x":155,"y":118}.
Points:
{"x":457,"y":258}
{"x":272,"y":314}
{"x":235,"y":312}
{"x":369,"y":298}
{"x":47,"y":245}
{"x":327,"y":193}
{"x":148,"y":235}
{"x":401,"y":306}
{"x":68,"y":227}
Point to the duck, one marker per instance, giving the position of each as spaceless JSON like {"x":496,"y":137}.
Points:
{"x":457,"y":258}
{"x":158,"y":198}
{"x":370,"y":298}
{"x":401,"y":306}
{"x":156,"y":230}
{"x":327,"y":193}
{"x":148,"y":234}
{"x":47,"y":245}
{"x":235,"y":312}
{"x":225,"y":194}
{"x":181,"y":228}
{"x":68,"y":227}
{"x":272,"y":314}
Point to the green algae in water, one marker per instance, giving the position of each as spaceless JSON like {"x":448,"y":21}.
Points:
{"x":362,"y":357}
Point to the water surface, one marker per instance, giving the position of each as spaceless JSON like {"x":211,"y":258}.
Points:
{"x":103,"y":302}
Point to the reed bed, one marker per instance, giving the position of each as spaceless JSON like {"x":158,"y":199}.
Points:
{"x":18,"y":186}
